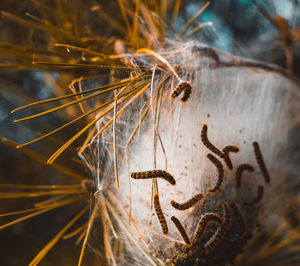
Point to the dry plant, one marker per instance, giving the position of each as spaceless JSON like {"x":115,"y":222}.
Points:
{"x":173,"y":112}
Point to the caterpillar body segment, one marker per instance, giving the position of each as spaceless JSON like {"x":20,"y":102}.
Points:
{"x":160,"y":214}
{"x":223,"y":231}
{"x":183,"y":85}
{"x":241,"y":223}
{"x":208,"y":144}
{"x":187,"y":93}
{"x":181,"y":230}
{"x":239,"y":172}
{"x":260,"y":194}
{"x":261,"y":163}
{"x":188,"y":204}
{"x":154,"y":174}
{"x":226,"y":152}
{"x":220,"y":169}
{"x":208,"y":217}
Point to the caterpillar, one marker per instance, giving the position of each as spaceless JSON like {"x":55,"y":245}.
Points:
{"x":183,"y":85}
{"x":260,"y":194}
{"x":223,"y":231}
{"x":160,"y":214}
{"x":208,"y":144}
{"x":204,"y":220}
{"x":153,"y":174}
{"x":260,"y":161}
{"x":188,"y":204}
{"x":226,"y":151}
{"x":219,"y":166}
{"x":181,"y":230}
{"x":239,"y":172}
{"x":240,"y":222}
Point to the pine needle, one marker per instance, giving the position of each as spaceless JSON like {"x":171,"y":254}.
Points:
{"x":66,"y":105}
{"x":76,"y":231}
{"x":89,"y":227}
{"x":160,"y":58}
{"x":70,"y":95}
{"x":52,"y":206}
{"x":10,"y":195}
{"x":192,"y":20}
{"x":83,"y":50}
{"x":75,"y":137}
{"x":50,"y":245}
{"x":42,"y":159}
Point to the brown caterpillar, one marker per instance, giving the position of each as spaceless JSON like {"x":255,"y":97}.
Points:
{"x":188,"y":204}
{"x":241,"y":224}
{"x":204,"y":220}
{"x":260,"y":194}
{"x":181,"y":230}
{"x":208,"y":144}
{"x":183,"y":85}
{"x":226,"y":151}
{"x":239,"y":172}
{"x":153,"y":174}
{"x":223,"y":231}
{"x":160,"y":214}
{"x":260,"y":161}
{"x":219,"y":166}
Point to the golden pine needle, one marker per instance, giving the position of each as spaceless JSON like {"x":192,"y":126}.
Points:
{"x":160,"y":58}
{"x":121,"y":111}
{"x":80,"y":237}
{"x":106,"y":216}
{"x":67,"y":124}
{"x":137,"y":126}
{"x":49,"y":201}
{"x":83,"y":50}
{"x":107,"y":245}
{"x":46,"y":23}
{"x":89,"y":226}
{"x":117,"y":85}
{"x":175,"y":12}
{"x":128,"y":233}
{"x":112,"y":22}
{"x":201,"y":26}
{"x":52,"y":206}
{"x":66,"y":105}
{"x":50,"y":245}
{"x":10,"y":195}
{"x":41,"y":158}
{"x":29,"y":50}
{"x":81,"y":66}
{"x":18,"y":212}
{"x":135,"y":34}
{"x":114,"y":142}
{"x":68,"y":143}
{"x":33,"y":25}
{"x":76,"y":231}
{"x":34,"y":187}
{"x":121,"y":5}
{"x":192,"y":20}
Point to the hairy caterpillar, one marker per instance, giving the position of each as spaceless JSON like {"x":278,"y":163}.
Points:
{"x":208,"y":144}
{"x":188,"y":204}
{"x":219,"y":166}
{"x":181,"y":230}
{"x":226,"y":151}
{"x":160,"y":214}
{"x":239,"y":172}
{"x":261,"y":163}
{"x":153,"y":174}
